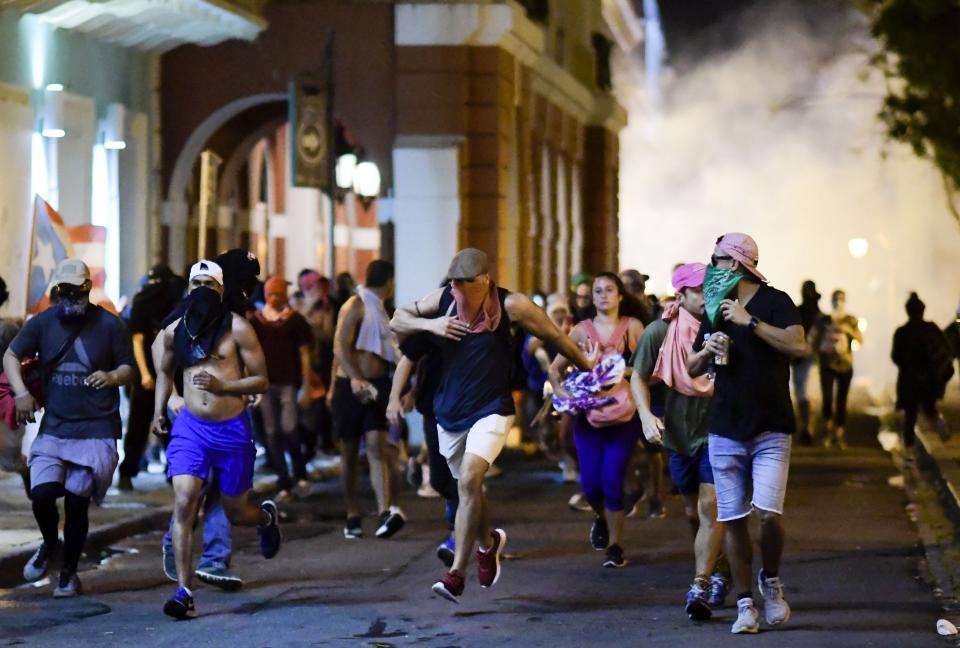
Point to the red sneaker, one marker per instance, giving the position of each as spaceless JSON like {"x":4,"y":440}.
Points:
{"x":450,"y":586}
{"x":488,"y":562}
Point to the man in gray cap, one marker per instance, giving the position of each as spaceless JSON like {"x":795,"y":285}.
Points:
{"x":470,"y":320}
{"x":85,"y":356}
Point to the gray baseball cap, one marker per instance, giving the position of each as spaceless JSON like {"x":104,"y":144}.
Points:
{"x":71,"y":271}
{"x":468,"y":263}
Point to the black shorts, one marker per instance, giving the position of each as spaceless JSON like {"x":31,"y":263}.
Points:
{"x":351,"y":418}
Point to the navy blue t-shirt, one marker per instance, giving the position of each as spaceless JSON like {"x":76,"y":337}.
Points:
{"x":474,"y":375}
{"x":73,"y":410}
{"x":752,"y":393}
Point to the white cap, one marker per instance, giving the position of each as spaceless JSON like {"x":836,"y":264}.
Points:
{"x":209,"y":268}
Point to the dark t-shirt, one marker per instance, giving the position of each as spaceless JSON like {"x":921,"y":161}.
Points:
{"x":752,"y":391}
{"x":281,"y":342}
{"x":421,"y":349}
{"x":150,"y":307}
{"x":73,"y":410}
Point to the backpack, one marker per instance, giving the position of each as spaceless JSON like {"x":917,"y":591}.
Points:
{"x":510,"y":333}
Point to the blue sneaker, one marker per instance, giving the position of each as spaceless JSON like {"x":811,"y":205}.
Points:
{"x":718,"y":590}
{"x":445,"y":551}
{"x":270,"y":537}
{"x":180,"y":605}
{"x":697,"y":607}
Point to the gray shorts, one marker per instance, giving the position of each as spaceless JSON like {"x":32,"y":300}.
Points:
{"x":750,"y":474}
{"x":84,"y":466}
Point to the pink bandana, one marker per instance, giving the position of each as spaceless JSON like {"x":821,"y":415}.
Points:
{"x":488,"y":315}
{"x":671,"y":365}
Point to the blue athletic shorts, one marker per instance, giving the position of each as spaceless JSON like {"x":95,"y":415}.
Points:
{"x":688,"y":473}
{"x":197,"y":446}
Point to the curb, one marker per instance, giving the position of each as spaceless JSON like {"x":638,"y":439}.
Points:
{"x":12,"y":562}
{"x":943,"y":464}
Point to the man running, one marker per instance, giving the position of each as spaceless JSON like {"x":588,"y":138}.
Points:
{"x":85,"y":356}
{"x":662,"y":356}
{"x":222,"y":365}
{"x":754,"y":331}
{"x":365,"y":349}
{"x":471,"y":319}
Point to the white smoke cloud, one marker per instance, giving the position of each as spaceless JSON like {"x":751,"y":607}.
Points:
{"x":779,"y":138}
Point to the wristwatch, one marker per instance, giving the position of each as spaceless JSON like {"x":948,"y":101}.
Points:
{"x":754,"y":323}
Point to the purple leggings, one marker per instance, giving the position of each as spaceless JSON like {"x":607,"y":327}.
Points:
{"x":604,"y":455}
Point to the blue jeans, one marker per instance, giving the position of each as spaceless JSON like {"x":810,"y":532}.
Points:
{"x":760,"y":465}
{"x":217,"y":532}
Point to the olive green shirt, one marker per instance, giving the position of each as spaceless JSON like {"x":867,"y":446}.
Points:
{"x":685,"y":420}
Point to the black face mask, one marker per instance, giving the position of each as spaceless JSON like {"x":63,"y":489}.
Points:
{"x":73,"y":305}
{"x":203,"y":324}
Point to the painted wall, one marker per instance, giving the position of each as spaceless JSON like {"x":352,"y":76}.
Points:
{"x":94,"y":74}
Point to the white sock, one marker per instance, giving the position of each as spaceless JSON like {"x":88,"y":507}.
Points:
{"x":397,"y":510}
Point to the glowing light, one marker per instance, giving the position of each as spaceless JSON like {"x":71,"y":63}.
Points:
{"x":54,"y":87}
{"x":862,"y":324}
{"x":346,"y":165}
{"x":115,"y":146}
{"x":858,"y":247}
{"x":53,"y":133}
{"x":366,"y":180}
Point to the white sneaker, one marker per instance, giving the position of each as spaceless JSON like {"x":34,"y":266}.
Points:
{"x":775,"y":608}
{"x":748,"y":619}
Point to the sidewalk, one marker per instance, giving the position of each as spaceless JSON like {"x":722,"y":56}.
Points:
{"x":122,"y":514}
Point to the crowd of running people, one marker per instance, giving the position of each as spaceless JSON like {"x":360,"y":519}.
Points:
{"x":695,"y":385}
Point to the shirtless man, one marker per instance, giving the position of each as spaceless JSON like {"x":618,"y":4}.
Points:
{"x":470,"y":320}
{"x":364,"y":349}
{"x":222,"y":366}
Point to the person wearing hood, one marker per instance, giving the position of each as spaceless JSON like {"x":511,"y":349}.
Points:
{"x":223,"y":366}
{"x":754,"y":330}
{"x":925,"y":366}
{"x":85,"y":356}
{"x":149,"y":308}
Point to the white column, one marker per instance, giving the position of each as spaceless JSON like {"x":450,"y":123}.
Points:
{"x":426,"y":211}
{"x":563,"y":218}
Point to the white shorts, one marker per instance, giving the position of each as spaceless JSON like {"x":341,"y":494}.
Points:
{"x":485,"y":439}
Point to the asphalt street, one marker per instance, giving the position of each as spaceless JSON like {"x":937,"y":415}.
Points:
{"x":852,"y":573}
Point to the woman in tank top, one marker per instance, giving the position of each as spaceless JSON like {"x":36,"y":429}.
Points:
{"x":604,"y":452}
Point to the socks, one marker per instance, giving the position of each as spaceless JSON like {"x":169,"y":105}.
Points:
{"x":48,"y":519}
{"x":76,"y":524}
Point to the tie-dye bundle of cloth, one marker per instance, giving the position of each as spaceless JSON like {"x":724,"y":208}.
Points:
{"x":584,"y":386}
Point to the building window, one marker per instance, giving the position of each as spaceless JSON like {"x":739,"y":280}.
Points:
{"x":601,"y":48}
{"x":538,"y":10}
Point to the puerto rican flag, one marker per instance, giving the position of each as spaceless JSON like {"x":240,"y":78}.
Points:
{"x":52,"y":244}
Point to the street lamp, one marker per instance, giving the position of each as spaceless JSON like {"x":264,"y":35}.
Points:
{"x":366,"y":182}
{"x":346,"y":166}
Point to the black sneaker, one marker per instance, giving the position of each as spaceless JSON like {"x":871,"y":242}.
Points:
{"x":446,"y":551}
{"x":657,"y":511}
{"x":180,"y":605}
{"x":219,"y":577}
{"x":270,"y":537}
{"x":169,"y":564}
{"x":36,"y":567}
{"x":353,"y":530}
{"x":390,"y":523}
{"x":68,"y":585}
{"x":614,"y":557}
{"x":125,"y":484}
{"x":599,"y":533}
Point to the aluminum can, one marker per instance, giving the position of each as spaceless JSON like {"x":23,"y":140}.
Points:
{"x":723,"y":359}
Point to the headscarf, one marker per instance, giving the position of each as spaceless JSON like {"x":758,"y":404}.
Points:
{"x":671,"y":366}
{"x":204,"y":323}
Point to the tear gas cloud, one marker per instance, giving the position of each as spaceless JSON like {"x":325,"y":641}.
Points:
{"x":778,"y":137}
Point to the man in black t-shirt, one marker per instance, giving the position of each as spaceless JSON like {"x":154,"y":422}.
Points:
{"x":756,"y":329}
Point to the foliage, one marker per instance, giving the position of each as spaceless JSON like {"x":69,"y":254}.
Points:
{"x":921,"y":61}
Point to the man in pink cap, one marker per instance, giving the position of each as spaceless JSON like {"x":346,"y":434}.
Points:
{"x":754,"y":330}
{"x":679,"y":423}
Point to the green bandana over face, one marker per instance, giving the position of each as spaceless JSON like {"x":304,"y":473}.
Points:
{"x":717,"y":284}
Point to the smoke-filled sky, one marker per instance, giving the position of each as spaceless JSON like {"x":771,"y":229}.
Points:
{"x":767,"y":125}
